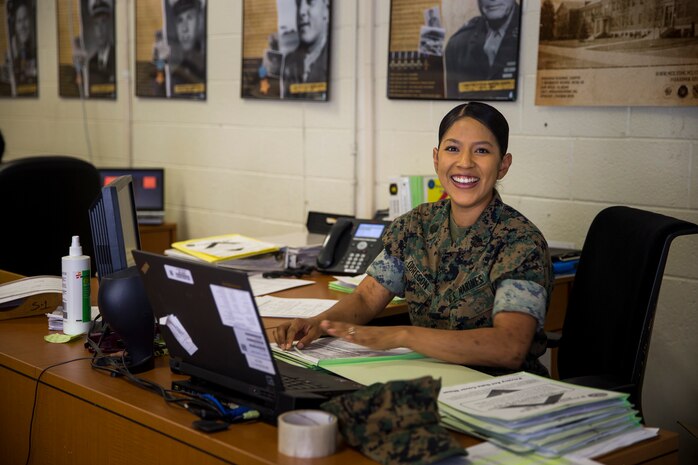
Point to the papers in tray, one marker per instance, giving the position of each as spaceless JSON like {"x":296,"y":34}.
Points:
{"x":333,"y":351}
{"x":528,"y":413}
{"x":225,"y":247}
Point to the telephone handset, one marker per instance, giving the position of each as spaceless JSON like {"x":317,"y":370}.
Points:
{"x":350,"y":246}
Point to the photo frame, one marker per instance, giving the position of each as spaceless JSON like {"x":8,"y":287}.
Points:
{"x":19,"y":69}
{"x":86,"y":49}
{"x":286,"y":49}
{"x":171,"y":49}
{"x":638,"y":55}
{"x":454,"y":50}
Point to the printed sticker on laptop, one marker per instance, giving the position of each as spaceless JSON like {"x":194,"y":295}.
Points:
{"x":236,"y":308}
{"x":179,"y":333}
{"x":256,"y":350}
{"x":179,"y":274}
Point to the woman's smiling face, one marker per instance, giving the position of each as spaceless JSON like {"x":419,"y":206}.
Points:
{"x":469,"y":162}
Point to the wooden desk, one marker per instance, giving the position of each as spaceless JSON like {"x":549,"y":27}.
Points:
{"x":83,"y":416}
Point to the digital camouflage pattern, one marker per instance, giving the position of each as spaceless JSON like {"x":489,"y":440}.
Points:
{"x":395,"y":422}
{"x":453,"y":284}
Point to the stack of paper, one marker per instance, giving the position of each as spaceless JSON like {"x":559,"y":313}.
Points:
{"x":333,"y":351}
{"x":528,"y":413}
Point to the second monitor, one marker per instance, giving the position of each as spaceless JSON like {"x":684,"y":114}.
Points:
{"x":149,"y":188}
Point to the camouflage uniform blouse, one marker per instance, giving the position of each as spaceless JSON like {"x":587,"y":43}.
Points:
{"x":453,"y":281}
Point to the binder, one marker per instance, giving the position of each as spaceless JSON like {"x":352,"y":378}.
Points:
{"x":44,"y":297}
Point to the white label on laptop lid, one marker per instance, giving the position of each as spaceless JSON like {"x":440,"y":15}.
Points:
{"x":178,"y":331}
{"x":179,"y":274}
{"x":236,"y":309}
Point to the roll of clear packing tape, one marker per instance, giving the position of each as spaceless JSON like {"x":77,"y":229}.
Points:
{"x":307,"y":433}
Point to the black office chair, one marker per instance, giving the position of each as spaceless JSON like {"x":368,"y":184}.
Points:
{"x":606,"y":333}
{"x":43,"y":203}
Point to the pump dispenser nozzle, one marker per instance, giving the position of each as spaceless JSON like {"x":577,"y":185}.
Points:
{"x":75,"y":247}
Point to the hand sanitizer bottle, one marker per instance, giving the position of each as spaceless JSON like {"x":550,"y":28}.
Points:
{"x":76,"y":290}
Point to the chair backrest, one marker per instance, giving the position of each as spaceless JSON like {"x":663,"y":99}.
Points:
{"x":609,"y":317}
{"x":44,"y":201}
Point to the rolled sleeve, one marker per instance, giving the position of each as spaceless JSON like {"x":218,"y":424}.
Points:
{"x":389,"y":272}
{"x":522,"y":296}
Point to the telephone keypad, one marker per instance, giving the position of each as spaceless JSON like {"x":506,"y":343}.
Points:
{"x":354,"y":261}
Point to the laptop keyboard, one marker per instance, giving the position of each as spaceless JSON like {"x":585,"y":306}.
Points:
{"x":300,"y":384}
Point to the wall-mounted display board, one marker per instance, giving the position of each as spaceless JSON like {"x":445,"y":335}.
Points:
{"x":286,"y":49}
{"x":607,"y":52}
{"x":454,"y":49}
{"x":171,"y":49}
{"x":86,"y":49}
{"x":19,"y":70}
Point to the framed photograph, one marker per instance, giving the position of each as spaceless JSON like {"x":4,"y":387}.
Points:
{"x":171,"y":49}
{"x":286,"y":49}
{"x":19,"y":72}
{"x":634,"y":54}
{"x":86,"y":49}
{"x":454,"y":49}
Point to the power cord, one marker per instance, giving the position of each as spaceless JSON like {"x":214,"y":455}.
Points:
{"x":36,"y":395}
{"x":213,"y":414}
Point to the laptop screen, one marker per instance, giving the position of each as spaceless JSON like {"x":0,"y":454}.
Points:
{"x":148,"y":186}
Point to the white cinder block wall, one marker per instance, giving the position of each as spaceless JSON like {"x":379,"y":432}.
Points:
{"x":256,"y":167}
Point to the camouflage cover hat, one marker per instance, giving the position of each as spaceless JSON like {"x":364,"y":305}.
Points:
{"x":395,"y":422}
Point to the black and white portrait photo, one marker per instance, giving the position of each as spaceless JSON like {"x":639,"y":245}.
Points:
{"x":100,"y":50}
{"x":454,"y":49}
{"x":87,"y":65}
{"x":20,"y":70}
{"x":485,"y":48}
{"x":171,"y":49}
{"x":290,"y":59}
{"x":186,"y":38}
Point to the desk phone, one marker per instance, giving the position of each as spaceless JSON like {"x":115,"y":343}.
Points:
{"x":351,"y":245}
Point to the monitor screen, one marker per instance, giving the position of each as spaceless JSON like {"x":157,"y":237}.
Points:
{"x":148,"y":185}
{"x":114,"y":226}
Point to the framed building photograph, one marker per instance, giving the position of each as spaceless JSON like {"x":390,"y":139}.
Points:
{"x":86,"y":49}
{"x":454,"y":49}
{"x":19,"y":72}
{"x":286,"y":49}
{"x":171,"y":49}
{"x":610,"y":53}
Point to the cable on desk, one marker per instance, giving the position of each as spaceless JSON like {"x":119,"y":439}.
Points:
{"x":204,"y":406}
{"x":36,"y":395}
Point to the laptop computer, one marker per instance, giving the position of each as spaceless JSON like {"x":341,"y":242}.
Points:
{"x":214,"y":334}
{"x":148,"y":187}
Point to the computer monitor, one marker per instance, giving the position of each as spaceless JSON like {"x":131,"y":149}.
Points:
{"x":148,"y":187}
{"x":114,"y":226}
{"x":123,"y":303}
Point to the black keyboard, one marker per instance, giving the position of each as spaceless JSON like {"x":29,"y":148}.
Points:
{"x":300,"y":384}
